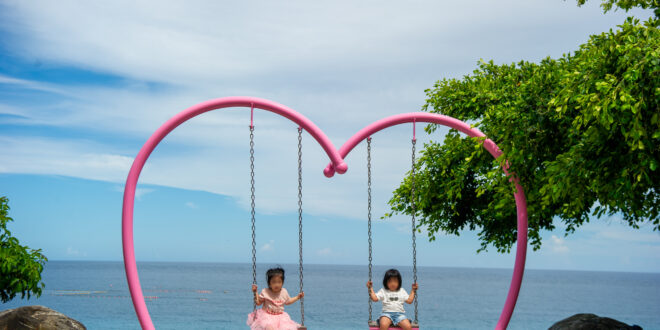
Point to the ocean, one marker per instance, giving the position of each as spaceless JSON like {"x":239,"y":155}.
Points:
{"x":218,"y":296}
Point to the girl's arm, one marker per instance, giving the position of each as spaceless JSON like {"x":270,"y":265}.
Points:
{"x":257,"y":300}
{"x":411,"y":297}
{"x":372,"y":294}
{"x":294,"y":299}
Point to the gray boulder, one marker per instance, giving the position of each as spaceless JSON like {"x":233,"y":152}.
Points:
{"x":37,"y":317}
{"x":591,"y":322}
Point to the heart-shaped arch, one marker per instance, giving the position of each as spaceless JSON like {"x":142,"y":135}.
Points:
{"x":337,"y":165}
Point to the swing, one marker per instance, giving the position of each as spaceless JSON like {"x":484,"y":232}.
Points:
{"x":252,"y":213}
{"x":373,"y":325}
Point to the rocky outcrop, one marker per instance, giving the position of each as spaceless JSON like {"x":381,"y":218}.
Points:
{"x":37,"y":317}
{"x":591,"y":322}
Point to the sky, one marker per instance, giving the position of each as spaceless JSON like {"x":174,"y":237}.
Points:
{"x":84,"y":84}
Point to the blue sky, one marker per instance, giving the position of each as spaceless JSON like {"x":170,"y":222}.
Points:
{"x":83,"y":85}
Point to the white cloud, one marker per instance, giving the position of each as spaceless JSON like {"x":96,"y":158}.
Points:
{"x":70,"y":251}
{"x":559,"y":245}
{"x":270,"y":246}
{"x":159,"y":42}
{"x":404,"y":229}
{"x":325,"y":252}
{"x":192,"y":205}
{"x":140,"y":192}
{"x":32,"y":85}
{"x":343,"y":65}
{"x":237,"y":41}
{"x":74,"y":158}
{"x":210,"y":153}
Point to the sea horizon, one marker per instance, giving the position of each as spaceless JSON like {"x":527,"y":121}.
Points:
{"x":357,"y":265}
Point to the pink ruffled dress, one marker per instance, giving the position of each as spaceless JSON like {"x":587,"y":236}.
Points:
{"x":272,"y":314}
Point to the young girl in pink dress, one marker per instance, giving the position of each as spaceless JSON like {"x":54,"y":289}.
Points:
{"x":272,"y":315}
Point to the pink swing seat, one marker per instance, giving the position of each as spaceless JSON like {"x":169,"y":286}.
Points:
{"x":373,"y":325}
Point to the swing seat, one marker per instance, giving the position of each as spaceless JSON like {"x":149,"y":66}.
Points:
{"x":373,"y":325}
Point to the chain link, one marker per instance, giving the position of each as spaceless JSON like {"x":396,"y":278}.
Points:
{"x":254,"y":243}
{"x":300,"y":228}
{"x":369,"y":217}
{"x":414,"y":229}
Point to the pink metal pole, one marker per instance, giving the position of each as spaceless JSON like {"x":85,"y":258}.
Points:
{"x":414,"y":125}
{"x":252,"y":115}
{"x":131,"y":182}
{"x":491,"y":147}
{"x":329,"y":171}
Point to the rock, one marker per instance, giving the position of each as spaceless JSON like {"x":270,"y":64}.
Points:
{"x":37,"y":317}
{"x":591,"y":322}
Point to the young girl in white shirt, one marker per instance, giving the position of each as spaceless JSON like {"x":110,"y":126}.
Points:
{"x":393,"y":296}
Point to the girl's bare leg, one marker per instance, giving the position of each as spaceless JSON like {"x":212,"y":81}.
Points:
{"x":384,"y":322}
{"x":405,"y":325}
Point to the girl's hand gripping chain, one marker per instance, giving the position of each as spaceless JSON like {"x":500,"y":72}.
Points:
{"x":372,"y":294}
{"x":411,"y":297}
{"x":256,"y":296}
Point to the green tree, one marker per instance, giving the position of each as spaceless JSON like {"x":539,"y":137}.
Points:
{"x":580,"y":132}
{"x":626,"y":5}
{"x":20,"y":266}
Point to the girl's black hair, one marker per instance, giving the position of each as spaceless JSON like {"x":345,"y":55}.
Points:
{"x":390,"y":274}
{"x":277,"y":271}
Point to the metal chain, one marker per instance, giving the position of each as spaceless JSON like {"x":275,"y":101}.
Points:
{"x":254,"y":243}
{"x":369,"y":215}
{"x":414,"y":210}
{"x":300,"y":239}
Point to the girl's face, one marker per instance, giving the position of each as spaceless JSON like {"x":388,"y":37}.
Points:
{"x":275,"y":283}
{"x":392,"y":283}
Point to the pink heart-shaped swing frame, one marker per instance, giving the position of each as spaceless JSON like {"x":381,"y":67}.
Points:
{"x":337,"y":165}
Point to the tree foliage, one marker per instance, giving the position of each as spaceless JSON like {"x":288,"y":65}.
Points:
{"x":20,"y":266}
{"x":626,"y":5}
{"x":580,"y":132}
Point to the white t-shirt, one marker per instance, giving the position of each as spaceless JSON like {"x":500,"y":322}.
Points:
{"x":392,"y":300}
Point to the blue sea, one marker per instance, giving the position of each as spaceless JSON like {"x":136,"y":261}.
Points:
{"x":218,"y":296}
